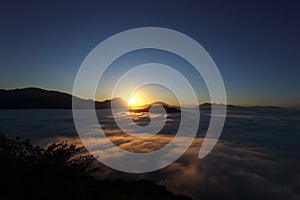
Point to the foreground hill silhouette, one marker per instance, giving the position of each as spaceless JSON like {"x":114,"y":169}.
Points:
{"x":32,"y":172}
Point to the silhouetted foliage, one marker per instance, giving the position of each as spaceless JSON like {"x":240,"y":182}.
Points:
{"x":59,"y":172}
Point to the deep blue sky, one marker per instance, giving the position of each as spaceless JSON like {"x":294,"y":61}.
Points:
{"x":255,"y":44}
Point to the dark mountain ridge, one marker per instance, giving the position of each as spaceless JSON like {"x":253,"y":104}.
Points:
{"x":36,"y":98}
{"x":207,"y":106}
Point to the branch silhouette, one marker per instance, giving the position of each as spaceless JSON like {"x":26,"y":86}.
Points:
{"x":60,"y":172}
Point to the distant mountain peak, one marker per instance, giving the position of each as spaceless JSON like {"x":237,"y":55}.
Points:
{"x":206,"y":106}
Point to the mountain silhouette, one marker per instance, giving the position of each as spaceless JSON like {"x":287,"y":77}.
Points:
{"x":37,"y":98}
{"x":32,"y":98}
{"x":207,"y":106}
{"x":146,"y":108}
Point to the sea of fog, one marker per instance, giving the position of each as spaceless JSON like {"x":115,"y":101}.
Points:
{"x":257,"y":156}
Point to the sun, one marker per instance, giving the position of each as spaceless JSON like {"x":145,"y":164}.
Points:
{"x":132,"y":101}
{"x":135,"y":100}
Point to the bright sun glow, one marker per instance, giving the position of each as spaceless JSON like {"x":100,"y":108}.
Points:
{"x":132,"y":101}
{"x":136,"y":100}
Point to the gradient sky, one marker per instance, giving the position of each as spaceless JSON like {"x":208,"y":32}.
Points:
{"x":255,"y":44}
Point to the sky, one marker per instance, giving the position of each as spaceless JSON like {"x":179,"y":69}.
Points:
{"x":255,"y":44}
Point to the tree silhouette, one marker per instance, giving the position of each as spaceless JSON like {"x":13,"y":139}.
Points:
{"x":59,"y":172}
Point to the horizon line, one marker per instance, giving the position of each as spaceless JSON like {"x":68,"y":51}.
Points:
{"x":108,"y":99}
